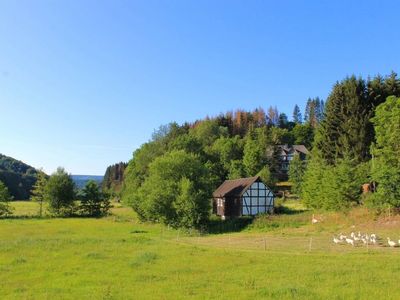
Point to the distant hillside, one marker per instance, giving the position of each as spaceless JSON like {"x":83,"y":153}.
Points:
{"x":80,"y":180}
{"x":114,"y":177}
{"x":17,"y":176}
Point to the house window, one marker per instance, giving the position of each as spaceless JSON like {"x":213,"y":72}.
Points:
{"x":285,"y":166}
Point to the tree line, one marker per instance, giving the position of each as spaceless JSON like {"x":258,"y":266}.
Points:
{"x":59,"y":194}
{"x":353,"y":138}
{"x":356,"y":143}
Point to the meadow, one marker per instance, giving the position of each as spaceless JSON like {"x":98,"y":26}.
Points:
{"x":118,"y":257}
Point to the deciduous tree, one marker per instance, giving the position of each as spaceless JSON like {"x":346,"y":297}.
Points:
{"x":60,"y":193}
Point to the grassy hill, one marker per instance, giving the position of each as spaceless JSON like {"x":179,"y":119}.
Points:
{"x":119,"y":257}
{"x":17,"y":176}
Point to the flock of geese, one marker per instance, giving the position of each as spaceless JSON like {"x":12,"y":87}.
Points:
{"x":366,"y":239}
{"x":357,"y":239}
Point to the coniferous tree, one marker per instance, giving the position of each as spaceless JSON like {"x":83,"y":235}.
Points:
{"x":283,"y":121}
{"x":297,"y":115}
{"x":309,"y":111}
{"x":392,"y":85}
{"x":344,"y":131}
{"x":312,"y":193}
{"x":297,"y":168}
{"x":94,"y":202}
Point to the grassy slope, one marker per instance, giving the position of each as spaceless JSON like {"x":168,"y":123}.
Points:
{"x":119,"y":258}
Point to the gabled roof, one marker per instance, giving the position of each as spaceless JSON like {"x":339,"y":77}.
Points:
{"x":294,"y":148}
{"x":234,"y":188}
{"x":300,"y":148}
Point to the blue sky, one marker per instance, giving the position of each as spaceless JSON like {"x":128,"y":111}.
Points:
{"x":84,"y":83}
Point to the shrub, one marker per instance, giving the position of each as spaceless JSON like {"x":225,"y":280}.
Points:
{"x":5,"y":197}
{"x":94,"y":203}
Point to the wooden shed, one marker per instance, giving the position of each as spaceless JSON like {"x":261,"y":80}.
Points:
{"x":243,"y":197}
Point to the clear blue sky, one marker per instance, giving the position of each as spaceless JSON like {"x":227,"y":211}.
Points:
{"x":84,"y":83}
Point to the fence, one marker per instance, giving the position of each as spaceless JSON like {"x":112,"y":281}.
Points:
{"x":281,"y":244}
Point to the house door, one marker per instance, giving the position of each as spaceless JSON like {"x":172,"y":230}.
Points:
{"x":221,"y":207}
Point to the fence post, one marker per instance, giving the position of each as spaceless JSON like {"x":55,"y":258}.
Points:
{"x":310,"y":245}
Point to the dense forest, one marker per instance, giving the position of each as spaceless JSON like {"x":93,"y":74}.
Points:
{"x":357,"y":142}
{"x":114,"y":178}
{"x":171,"y":177}
{"x":17,"y":176}
{"x":352,"y":138}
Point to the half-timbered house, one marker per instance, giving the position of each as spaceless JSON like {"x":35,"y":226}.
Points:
{"x":243,"y":197}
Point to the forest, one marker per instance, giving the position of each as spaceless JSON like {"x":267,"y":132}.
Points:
{"x":17,"y":176}
{"x":353,"y":138}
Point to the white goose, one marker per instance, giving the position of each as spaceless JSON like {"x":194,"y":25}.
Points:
{"x":391,"y":243}
{"x":337,"y":241}
{"x":314,"y":220}
{"x":350,"y":241}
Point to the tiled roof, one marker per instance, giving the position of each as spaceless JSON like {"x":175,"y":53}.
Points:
{"x":234,"y":187}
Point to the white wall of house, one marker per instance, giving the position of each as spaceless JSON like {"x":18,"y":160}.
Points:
{"x":257,"y":199}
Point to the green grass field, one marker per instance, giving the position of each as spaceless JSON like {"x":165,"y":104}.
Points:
{"x":117,"y":257}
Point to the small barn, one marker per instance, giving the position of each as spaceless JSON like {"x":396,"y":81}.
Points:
{"x":242,"y":197}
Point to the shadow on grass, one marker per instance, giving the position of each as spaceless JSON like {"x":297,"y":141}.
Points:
{"x":47,"y":217}
{"x":284,"y":210}
{"x":216,"y":225}
{"x":22,"y":217}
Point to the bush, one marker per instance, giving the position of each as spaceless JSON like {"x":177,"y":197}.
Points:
{"x":176,"y":192}
{"x":5,"y":197}
{"x":94,"y":203}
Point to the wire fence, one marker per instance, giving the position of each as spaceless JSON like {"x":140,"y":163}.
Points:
{"x":289,"y":244}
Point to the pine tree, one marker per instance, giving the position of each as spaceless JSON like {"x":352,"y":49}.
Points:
{"x":344,"y":131}
{"x":297,"y":115}
{"x":94,"y":202}
{"x":392,"y":85}
{"x":283,"y":121}
{"x":312,"y":193}
{"x":297,"y":168}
